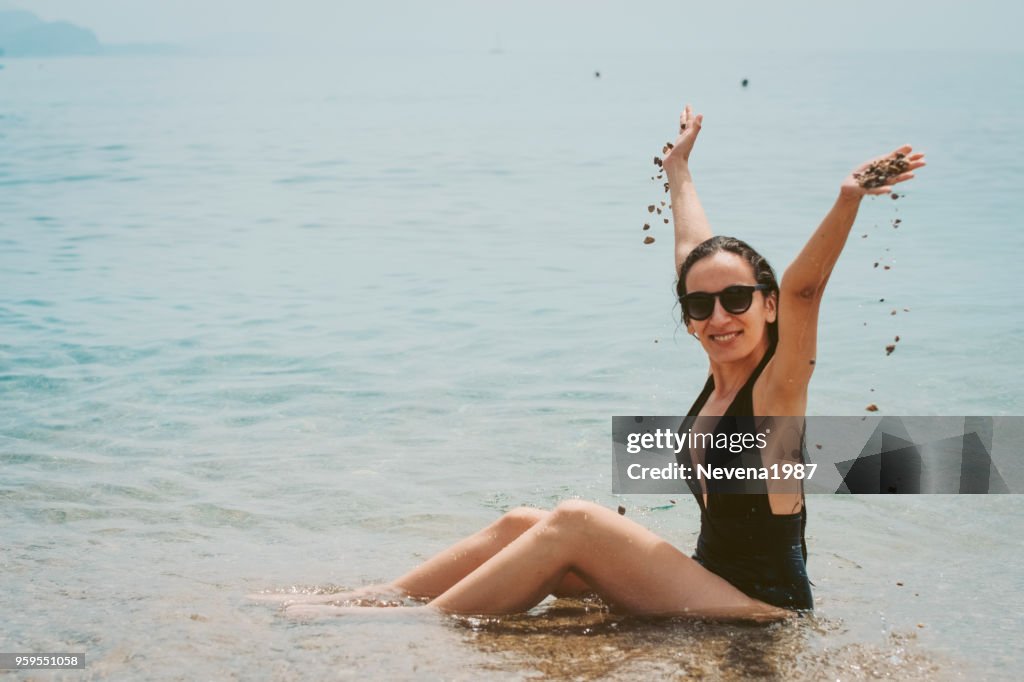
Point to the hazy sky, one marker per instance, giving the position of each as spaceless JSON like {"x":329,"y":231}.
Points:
{"x":549,"y":24}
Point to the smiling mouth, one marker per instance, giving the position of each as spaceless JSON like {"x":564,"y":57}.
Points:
{"x":725,"y":338}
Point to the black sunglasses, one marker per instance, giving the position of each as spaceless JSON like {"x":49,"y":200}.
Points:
{"x":735,"y":299}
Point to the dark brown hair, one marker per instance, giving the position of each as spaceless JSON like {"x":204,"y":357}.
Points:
{"x":763,"y":272}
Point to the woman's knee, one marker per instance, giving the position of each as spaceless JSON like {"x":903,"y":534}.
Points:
{"x":575,"y":513}
{"x":568,"y":515}
{"x":517,"y":521}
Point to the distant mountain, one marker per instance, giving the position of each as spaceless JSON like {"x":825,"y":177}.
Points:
{"x":23,"y":34}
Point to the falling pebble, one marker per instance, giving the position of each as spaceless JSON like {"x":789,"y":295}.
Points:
{"x":622,"y":510}
{"x":670,"y":145}
{"x":893,"y":312}
{"x":899,"y":584}
{"x":894,"y":196}
{"x":666,"y":187}
{"x":648,"y":240}
{"x":647,"y":226}
{"x":597,"y":74}
{"x":663,"y":203}
{"x":666,"y":221}
{"x":658,"y":210}
{"x":876,"y":264}
{"x":650,"y":209}
{"x":812,"y":362}
{"x":897,"y":339}
{"x":744,"y":82}
{"x":872,"y":390}
{"x":872,"y":408}
{"x":655,"y":340}
{"x":864,"y":236}
{"x":887,"y":267}
{"x":196,"y":616}
{"x":818,"y":445}
{"x":672,"y":501}
{"x":657,"y":161}
{"x":881,"y":300}
{"x":865,"y":324}
{"x":890,"y":348}
{"x":920,"y":625}
{"x":906,"y":310}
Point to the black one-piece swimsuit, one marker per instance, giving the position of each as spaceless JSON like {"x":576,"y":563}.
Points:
{"x":762,"y":554}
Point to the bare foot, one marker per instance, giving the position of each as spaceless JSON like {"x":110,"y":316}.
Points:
{"x":371,"y":595}
{"x":295,"y":597}
{"x":313,"y":611}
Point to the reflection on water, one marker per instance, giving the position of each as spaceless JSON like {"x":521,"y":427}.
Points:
{"x":582,"y":640}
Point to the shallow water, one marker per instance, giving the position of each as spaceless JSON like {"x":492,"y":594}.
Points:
{"x":276,"y":323}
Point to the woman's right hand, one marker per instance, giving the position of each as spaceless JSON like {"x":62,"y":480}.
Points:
{"x":678,"y":157}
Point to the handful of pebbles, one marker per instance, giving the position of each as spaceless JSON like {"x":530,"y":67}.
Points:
{"x":878,"y":173}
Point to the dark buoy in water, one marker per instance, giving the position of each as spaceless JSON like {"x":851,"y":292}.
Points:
{"x":744,"y":82}
{"x":597,"y":74}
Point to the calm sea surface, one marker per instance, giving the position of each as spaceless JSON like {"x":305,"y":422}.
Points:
{"x":275,"y":324}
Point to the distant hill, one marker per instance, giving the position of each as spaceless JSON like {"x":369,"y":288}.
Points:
{"x":23,"y":34}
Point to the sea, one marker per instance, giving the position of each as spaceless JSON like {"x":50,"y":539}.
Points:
{"x":294,"y":324}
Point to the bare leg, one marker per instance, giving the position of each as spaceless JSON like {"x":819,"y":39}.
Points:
{"x":439,"y":573}
{"x":626,"y":564}
{"x":312,"y":611}
{"x":370,"y":595}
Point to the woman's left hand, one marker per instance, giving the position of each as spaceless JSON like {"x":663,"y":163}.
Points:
{"x":851,"y":186}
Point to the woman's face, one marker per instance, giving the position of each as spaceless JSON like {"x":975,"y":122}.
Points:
{"x":728,"y":337}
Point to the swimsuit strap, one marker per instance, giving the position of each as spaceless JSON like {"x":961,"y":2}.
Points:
{"x":746,"y":392}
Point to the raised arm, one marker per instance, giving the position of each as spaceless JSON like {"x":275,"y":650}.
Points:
{"x":803,"y":284}
{"x":691,"y":225}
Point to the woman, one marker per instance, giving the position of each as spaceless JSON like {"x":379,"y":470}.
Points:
{"x":733,"y":306}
